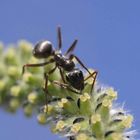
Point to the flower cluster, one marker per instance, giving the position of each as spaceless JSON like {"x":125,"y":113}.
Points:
{"x":86,"y":116}
{"x":17,"y":90}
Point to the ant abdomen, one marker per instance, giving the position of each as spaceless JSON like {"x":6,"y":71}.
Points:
{"x":76,"y":79}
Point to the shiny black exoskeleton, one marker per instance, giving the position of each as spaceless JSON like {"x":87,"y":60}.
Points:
{"x":76,"y":79}
{"x":73,"y":76}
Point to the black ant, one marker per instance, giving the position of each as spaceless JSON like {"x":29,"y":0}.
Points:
{"x":73,"y":79}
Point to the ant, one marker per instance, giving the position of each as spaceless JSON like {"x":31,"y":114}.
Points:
{"x":73,"y":79}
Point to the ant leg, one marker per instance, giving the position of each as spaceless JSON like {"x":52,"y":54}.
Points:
{"x":62,"y":85}
{"x":91,"y":75}
{"x":52,"y":70}
{"x":71,"y":48}
{"x":46,"y":77}
{"x":59,"y":38}
{"x":79,"y":61}
{"x":62,"y":76}
{"x":46,"y":89}
{"x":46,"y":84}
{"x":36,"y":65}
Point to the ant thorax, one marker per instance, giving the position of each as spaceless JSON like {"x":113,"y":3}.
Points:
{"x":64,"y":62}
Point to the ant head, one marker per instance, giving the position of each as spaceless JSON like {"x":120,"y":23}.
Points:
{"x":43,"y":49}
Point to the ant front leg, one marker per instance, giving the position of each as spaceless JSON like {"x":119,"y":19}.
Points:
{"x":36,"y":65}
{"x":46,"y":90}
{"x":46,"y":75}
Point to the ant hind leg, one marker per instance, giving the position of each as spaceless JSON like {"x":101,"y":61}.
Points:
{"x":63,"y":85}
{"x":94,"y":74}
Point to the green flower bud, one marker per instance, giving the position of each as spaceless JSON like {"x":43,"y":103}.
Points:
{"x":13,"y":72}
{"x":28,"y":110}
{"x":76,"y":128}
{"x":82,"y":136}
{"x":32,"y":97}
{"x":60,"y":125}
{"x":10,"y":57}
{"x":42,"y":118}
{"x":14,"y":105}
{"x":15,"y":91}
{"x":2,"y":85}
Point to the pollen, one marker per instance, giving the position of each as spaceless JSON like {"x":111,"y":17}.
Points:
{"x":82,"y":136}
{"x":48,"y":108}
{"x":112,"y":93}
{"x":42,"y":118}
{"x":75,"y":128}
{"x":95,"y":118}
{"x":107,"y":103}
{"x":127,"y":122}
{"x":60,"y":125}
{"x":85,"y":97}
{"x":62,"y":102}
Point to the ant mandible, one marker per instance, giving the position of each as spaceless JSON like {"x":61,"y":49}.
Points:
{"x":73,"y":80}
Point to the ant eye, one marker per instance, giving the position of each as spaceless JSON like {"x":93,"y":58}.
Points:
{"x":43,"y":49}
